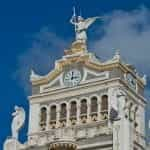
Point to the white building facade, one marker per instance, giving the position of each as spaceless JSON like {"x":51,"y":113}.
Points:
{"x":86,"y":104}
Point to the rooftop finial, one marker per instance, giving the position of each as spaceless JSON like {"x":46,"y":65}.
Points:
{"x":144,"y":79}
{"x":80,"y":12}
{"x":117,"y":54}
{"x":74,"y":18}
{"x":33,"y":75}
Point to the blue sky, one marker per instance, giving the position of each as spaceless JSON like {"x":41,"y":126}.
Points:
{"x":34,"y":33}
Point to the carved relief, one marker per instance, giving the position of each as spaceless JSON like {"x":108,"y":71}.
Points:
{"x":63,"y":145}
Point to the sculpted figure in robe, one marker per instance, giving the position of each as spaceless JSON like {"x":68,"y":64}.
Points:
{"x":81,"y":25}
{"x":18,"y":121}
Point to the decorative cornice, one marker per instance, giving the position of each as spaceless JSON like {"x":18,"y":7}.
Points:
{"x":93,"y":87}
{"x":87,"y":60}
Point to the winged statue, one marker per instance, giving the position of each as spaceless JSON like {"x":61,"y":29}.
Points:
{"x":81,"y":25}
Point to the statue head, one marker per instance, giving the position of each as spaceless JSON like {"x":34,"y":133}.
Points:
{"x":80,"y":18}
{"x":16,"y":107}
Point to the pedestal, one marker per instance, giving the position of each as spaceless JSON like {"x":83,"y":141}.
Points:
{"x":11,"y":144}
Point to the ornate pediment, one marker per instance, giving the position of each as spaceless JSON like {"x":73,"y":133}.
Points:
{"x":87,"y":76}
{"x":52,"y":85}
{"x":89,"y":66}
{"x":90,"y":75}
{"x":86,"y":64}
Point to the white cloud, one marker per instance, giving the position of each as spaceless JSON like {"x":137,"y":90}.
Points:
{"x":46,"y":47}
{"x":129,"y":32}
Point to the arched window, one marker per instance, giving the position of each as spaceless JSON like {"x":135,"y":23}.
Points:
{"x":63,"y":112}
{"x":73,"y":109}
{"x":43,"y":118}
{"x":83,"y":109}
{"x":94,"y":106}
{"x":104,"y":103}
{"x":53,"y":113}
{"x":104,"y":107}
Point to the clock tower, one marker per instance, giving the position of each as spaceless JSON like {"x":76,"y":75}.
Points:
{"x":85,"y":103}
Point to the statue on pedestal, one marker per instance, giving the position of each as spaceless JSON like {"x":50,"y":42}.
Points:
{"x":18,"y":121}
{"x":81,"y":25}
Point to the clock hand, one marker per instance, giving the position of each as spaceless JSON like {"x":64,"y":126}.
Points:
{"x":75,"y":77}
{"x":72,"y":76}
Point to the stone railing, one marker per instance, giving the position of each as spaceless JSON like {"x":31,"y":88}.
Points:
{"x":77,"y":132}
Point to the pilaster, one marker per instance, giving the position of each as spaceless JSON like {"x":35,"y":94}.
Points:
{"x":48,"y":118}
{"x":99,"y":109}
{"x":34,"y":116}
{"x":78,"y":112}
{"x":88,"y":110}
{"x":57,"y":116}
{"x":68,"y":115}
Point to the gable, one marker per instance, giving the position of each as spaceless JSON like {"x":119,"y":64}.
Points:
{"x":90,"y":75}
{"x":87,"y":76}
{"x":90,"y":68}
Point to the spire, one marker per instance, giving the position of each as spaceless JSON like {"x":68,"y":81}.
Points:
{"x":144,"y":78}
{"x":33,"y":75}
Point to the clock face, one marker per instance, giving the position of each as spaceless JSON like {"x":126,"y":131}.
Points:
{"x":72,"y":78}
{"x":131,"y":80}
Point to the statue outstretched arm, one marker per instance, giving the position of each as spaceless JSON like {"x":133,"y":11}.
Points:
{"x":14,"y":113}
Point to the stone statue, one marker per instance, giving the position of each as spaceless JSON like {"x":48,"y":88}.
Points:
{"x":18,"y":121}
{"x":81,"y":25}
